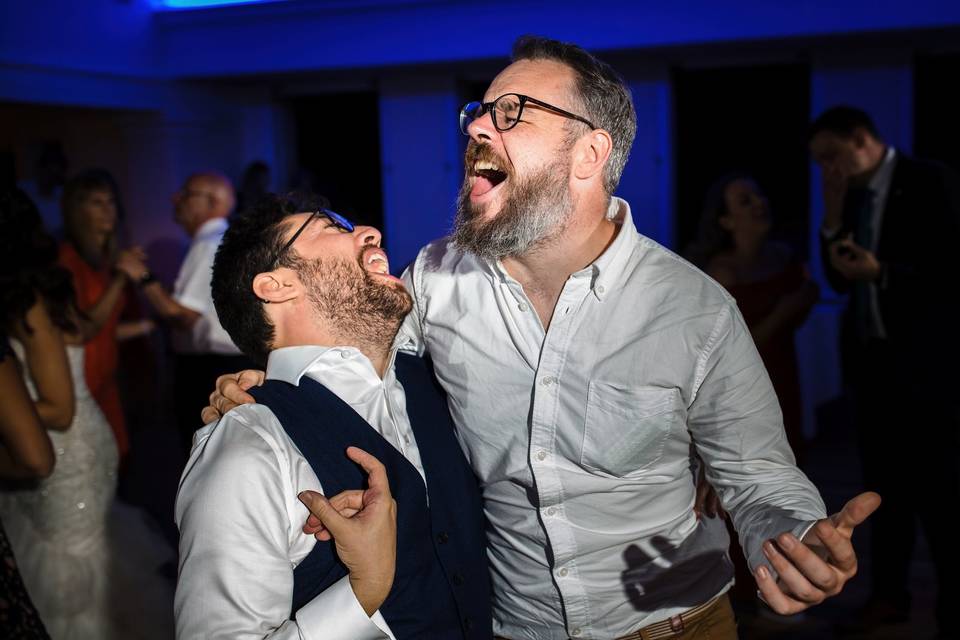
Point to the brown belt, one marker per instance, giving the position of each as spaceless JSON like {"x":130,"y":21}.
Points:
{"x":675,"y":624}
{"x":670,"y":627}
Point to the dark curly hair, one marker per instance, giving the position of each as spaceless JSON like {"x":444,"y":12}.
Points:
{"x":248,"y":248}
{"x":28,"y":265}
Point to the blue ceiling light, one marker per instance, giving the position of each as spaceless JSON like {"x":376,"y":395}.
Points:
{"x":200,"y":4}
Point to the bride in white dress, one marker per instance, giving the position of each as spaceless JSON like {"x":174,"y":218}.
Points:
{"x":88,"y":564}
{"x":58,"y":527}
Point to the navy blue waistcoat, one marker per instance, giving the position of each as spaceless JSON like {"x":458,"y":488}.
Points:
{"x":441,"y":588}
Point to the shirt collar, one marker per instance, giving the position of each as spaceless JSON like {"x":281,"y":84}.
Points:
{"x":404,"y":341}
{"x":606,"y":269}
{"x":290,"y":364}
{"x":213,"y":226}
{"x":880,"y":181}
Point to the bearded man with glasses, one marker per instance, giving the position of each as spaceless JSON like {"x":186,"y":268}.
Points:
{"x":587,"y":367}
{"x":309,"y":293}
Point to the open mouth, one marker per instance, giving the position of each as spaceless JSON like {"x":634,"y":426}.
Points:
{"x":374,"y":260}
{"x":487,"y":175}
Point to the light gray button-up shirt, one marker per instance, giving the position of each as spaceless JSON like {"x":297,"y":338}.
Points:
{"x":582,"y":434}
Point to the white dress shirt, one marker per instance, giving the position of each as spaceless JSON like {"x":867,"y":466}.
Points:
{"x":192,"y":290}
{"x":880,"y":186}
{"x":581,"y":435}
{"x":240,"y":520}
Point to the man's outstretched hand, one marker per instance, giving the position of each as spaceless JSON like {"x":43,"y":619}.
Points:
{"x":817,"y":567}
{"x":363,"y":526}
{"x":230,"y":391}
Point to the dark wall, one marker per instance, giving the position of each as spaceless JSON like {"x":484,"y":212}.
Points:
{"x":937,"y":108}
{"x":750,"y":119}
{"x":338,"y":143}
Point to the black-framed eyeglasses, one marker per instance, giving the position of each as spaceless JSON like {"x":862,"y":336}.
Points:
{"x":506,"y":110}
{"x":335,"y":218}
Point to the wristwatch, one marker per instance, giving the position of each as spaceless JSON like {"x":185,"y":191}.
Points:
{"x":146,"y":278}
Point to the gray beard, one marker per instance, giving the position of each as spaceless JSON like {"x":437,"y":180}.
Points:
{"x":358,"y":310}
{"x":535,"y":211}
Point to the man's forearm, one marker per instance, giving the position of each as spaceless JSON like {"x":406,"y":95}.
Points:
{"x":171,"y":311}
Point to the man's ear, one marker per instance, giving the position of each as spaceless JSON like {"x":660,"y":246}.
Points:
{"x":591,"y":154}
{"x":275,"y":286}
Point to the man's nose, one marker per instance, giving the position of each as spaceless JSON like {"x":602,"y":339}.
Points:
{"x":368,"y":236}
{"x":482,"y":128}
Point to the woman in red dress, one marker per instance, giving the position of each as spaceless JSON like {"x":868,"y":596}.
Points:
{"x":90,"y":252}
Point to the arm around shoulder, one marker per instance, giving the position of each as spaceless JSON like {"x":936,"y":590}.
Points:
{"x":236,"y":534}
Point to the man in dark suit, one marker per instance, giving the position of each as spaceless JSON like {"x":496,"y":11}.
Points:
{"x":888,"y":239}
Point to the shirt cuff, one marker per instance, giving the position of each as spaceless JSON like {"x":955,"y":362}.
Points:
{"x":336,"y":614}
{"x":803,"y":529}
{"x":194,"y":304}
{"x":753,"y":548}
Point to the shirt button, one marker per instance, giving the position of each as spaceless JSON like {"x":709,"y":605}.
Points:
{"x":551,"y":511}
{"x":406,"y":439}
{"x":562,"y":573}
{"x":600,"y":288}
{"x":81,"y":505}
{"x":549,"y":380}
{"x":59,"y":451}
{"x":576,"y":632}
{"x":442,"y":537}
{"x":458,"y":579}
{"x":344,"y":354}
{"x":523,"y":307}
{"x":541,"y":455}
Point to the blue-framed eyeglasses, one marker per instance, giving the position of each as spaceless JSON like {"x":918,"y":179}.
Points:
{"x":335,"y":219}
{"x":506,"y":110}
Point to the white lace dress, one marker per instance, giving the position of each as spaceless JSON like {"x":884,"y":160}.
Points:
{"x":88,"y":564}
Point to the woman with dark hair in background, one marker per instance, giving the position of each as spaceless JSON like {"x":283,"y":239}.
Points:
{"x":25,"y":452}
{"x":774,"y":293}
{"x":58,"y":526}
{"x":771,"y":286}
{"x":90,"y":208}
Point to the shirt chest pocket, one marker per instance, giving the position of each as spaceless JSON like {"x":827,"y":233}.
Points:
{"x":627,"y":428}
